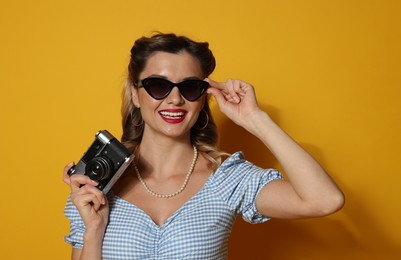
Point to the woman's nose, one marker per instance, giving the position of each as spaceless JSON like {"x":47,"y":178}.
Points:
{"x":175,"y":97}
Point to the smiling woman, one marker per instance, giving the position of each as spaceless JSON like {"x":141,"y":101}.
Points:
{"x":179,"y":200}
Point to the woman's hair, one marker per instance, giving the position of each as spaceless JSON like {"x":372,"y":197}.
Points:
{"x":204,"y":132}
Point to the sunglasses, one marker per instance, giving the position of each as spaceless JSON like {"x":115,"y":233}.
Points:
{"x":159,"y":88}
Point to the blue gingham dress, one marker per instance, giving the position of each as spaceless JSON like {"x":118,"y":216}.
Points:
{"x":198,"y":230}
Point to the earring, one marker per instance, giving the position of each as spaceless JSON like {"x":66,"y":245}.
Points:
{"x":207,"y":120}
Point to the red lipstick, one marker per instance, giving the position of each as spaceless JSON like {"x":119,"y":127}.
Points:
{"x":173,"y":116}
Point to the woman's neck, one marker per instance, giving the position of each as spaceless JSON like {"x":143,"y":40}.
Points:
{"x":164,"y":157}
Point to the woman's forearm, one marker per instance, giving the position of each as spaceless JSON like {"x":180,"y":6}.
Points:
{"x":92,"y":249}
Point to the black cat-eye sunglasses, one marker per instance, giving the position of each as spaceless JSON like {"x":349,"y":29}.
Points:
{"x":159,"y":88}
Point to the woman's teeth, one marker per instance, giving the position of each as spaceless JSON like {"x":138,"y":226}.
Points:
{"x":172,"y":114}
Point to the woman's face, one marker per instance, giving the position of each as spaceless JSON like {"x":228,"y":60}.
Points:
{"x":172,"y":116}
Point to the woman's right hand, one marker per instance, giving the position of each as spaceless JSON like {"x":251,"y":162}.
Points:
{"x":91,"y":203}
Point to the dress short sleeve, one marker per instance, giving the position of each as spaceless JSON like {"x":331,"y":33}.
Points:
{"x":238,"y":182}
{"x":77,"y":227}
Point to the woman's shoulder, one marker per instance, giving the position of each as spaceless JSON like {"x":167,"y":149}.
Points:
{"x":232,"y":166}
{"x":237,"y":168}
{"x":235,"y":159}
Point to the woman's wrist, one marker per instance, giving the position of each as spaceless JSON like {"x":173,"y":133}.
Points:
{"x":258,"y":123}
{"x":94,"y":236}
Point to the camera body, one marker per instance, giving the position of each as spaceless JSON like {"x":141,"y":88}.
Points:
{"x":104,"y":161}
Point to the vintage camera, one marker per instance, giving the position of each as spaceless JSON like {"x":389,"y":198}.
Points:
{"x":104,"y":161}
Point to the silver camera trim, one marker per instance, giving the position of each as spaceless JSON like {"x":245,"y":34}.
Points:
{"x":104,"y":136}
{"x":118,"y":174}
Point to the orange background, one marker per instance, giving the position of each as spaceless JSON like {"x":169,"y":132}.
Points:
{"x":329,"y":73}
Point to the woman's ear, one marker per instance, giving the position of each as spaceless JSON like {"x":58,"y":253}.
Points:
{"x":134,"y":96}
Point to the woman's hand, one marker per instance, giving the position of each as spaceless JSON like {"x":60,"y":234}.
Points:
{"x":236,"y":99}
{"x":89,"y":200}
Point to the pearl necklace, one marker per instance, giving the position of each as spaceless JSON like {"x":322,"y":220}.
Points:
{"x":165,"y":196}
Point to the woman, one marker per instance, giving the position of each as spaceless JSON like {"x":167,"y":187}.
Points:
{"x":178,"y":200}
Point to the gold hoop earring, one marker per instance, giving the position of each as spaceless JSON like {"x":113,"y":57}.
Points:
{"x":207,"y":121}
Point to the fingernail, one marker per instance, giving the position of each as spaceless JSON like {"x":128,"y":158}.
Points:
{"x":70,"y":164}
{"x":94,"y":182}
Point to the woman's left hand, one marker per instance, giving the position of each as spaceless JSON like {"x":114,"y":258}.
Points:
{"x":236,"y":99}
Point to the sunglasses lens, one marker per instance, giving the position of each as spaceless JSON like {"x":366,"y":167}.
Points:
{"x":193,"y":89}
{"x":157,"y":88}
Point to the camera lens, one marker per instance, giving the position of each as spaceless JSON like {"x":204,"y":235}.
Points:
{"x":98,"y":168}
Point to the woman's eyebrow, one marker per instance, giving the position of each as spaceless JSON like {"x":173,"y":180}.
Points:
{"x":192,"y":77}
{"x":164,"y":77}
{"x":157,"y":76}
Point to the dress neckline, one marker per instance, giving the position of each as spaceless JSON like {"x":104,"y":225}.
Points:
{"x":172,"y":216}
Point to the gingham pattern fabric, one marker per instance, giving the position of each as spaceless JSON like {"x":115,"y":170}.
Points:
{"x":198,"y":230}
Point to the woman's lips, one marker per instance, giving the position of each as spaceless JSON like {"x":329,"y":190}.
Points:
{"x":173,"y":116}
